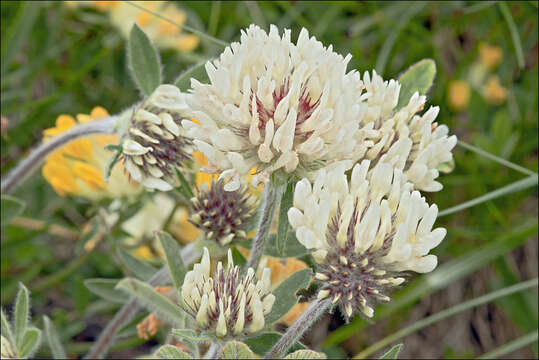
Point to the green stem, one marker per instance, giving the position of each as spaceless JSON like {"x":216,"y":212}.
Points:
{"x":511,"y":346}
{"x":272,"y":197}
{"x":445,"y":314}
{"x":29,"y":164}
{"x":511,"y":188}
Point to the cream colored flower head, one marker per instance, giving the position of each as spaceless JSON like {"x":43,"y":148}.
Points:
{"x":409,"y":141}
{"x":277,"y":106}
{"x":154,"y":143}
{"x":364,"y":233}
{"x":227,"y":304}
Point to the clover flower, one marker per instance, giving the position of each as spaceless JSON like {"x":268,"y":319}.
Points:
{"x":227,"y":303}
{"x":277,"y":106}
{"x":154,"y":144}
{"x":222,"y":215}
{"x":365,"y":232}
{"x":410,"y":142}
{"x":78,"y":167}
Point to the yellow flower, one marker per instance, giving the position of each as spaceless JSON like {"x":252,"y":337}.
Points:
{"x":163,"y":33}
{"x":78,"y":167}
{"x":458,"y":94}
{"x":490,"y":55}
{"x":494,"y":93}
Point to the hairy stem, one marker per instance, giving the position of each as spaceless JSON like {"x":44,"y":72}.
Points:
{"x":298,"y":328}
{"x":272,"y":198}
{"x":125,"y":314}
{"x":29,"y":164}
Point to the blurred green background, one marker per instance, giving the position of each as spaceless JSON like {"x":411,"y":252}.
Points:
{"x":60,"y":59}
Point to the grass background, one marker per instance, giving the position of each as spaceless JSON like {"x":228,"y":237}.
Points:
{"x":59,"y":60}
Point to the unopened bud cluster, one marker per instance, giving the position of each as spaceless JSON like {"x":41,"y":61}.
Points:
{"x":222,"y":215}
{"x":154,"y":143}
{"x":227,"y":304}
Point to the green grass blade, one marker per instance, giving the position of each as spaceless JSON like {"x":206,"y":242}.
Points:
{"x":445,"y":314}
{"x":511,"y":346}
{"x":498,"y":159}
{"x":53,"y":339}
{"x":514,"y":32}
{"x":509,"y":189}
{"x":481,"y":5}
{"x":395,"y":31}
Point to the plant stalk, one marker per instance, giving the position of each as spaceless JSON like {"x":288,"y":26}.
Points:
{"x":272,"y":197}
{"x":125,"y":314}
{"x":29,"y":164}
{"x":298,"y":328}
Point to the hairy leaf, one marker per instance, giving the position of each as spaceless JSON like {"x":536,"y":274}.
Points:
{"x":139,"y":268}
{"x":392,"y":353}
{"x":171,"y":352}
{"x":418,"y":77}
{"x":236,"y":350}
{"x":306,"y":354}
{"x":30,"y":342}
{"x":53,"y":339}
{"x":174,"y":259}
{"x":197,"y":71}
{"x":105,"y":289}
{"x":22,"y":311}
{"x":11,"y":208}
{"x":286,"y":294}
{"x":262,"y":343}
{"x":143,"y":61}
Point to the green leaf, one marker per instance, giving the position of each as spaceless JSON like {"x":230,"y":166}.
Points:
{"x":153,"y":300}
{"x":139,"y":268}
{"x":286,"y":294}
{"x":306,"y":354}
{"x":143,"y":61}
{"x":197,"y":71}
{"x":22,"y":311}
{"x":236,"y":350}
{"x":105,"y":289}
{"x":11,"y":208}
{"x":419,"y":77}
{"x":393,"y":353}
{"x":174,"y":259}
{"x":189,"y":334}
{"x":287,"y":201}
{"x":171,"y":352}
{"x":53,"y":339}
{"x":30,"y":342}
{"x":238,"y":257}
{"x":117,"y":149}
{"x":293,"y":247}
{"x":184,"y":188}
{"x":6,"y":328}
{"x":262,"y":343}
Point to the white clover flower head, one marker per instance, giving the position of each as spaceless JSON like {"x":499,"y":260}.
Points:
{"x":408,"y":141}
{"x":364,"y":233}
{"x":154,"y":143}
{"x":277,"y":106}
{"x":227,"y":304}
{"x":222,"y":215}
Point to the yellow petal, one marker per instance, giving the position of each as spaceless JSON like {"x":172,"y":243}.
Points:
{"x":79,"y":149}
{"x":91,"y":175}
{"x":65,"y":121}
{"x":143,"y":252}
{"x":60,"y":177}
{"x":99,"y":112}
{"x":144,"y":18}
{"x":459,"y":94}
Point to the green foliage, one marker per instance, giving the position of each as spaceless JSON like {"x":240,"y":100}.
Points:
{"x":30,"y":342}
{"x":171,"y":352}
{"x":105,"y":288}
{"x":143,"y":61}
{"x":306,"y":354}
{"x":236,"y":350}
{"x":197,"y":71}
{"x":22,"y":313}
{"x":11,"y":208}
{"x":417,"y":78}
{"x":153,"y":300}
{"x":53,"y":339}
{"x":286,"y":294}
{"x":287,"y":201}
{"x":174,"y":259}
{"x":292,"y":247}
{"x":189,"y":335}
{"x":262,"y":343}
{"x":137,"y":267}
{"x":392,"y":353}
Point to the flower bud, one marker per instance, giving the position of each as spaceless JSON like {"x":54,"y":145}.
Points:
{"x":154,"y":145}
